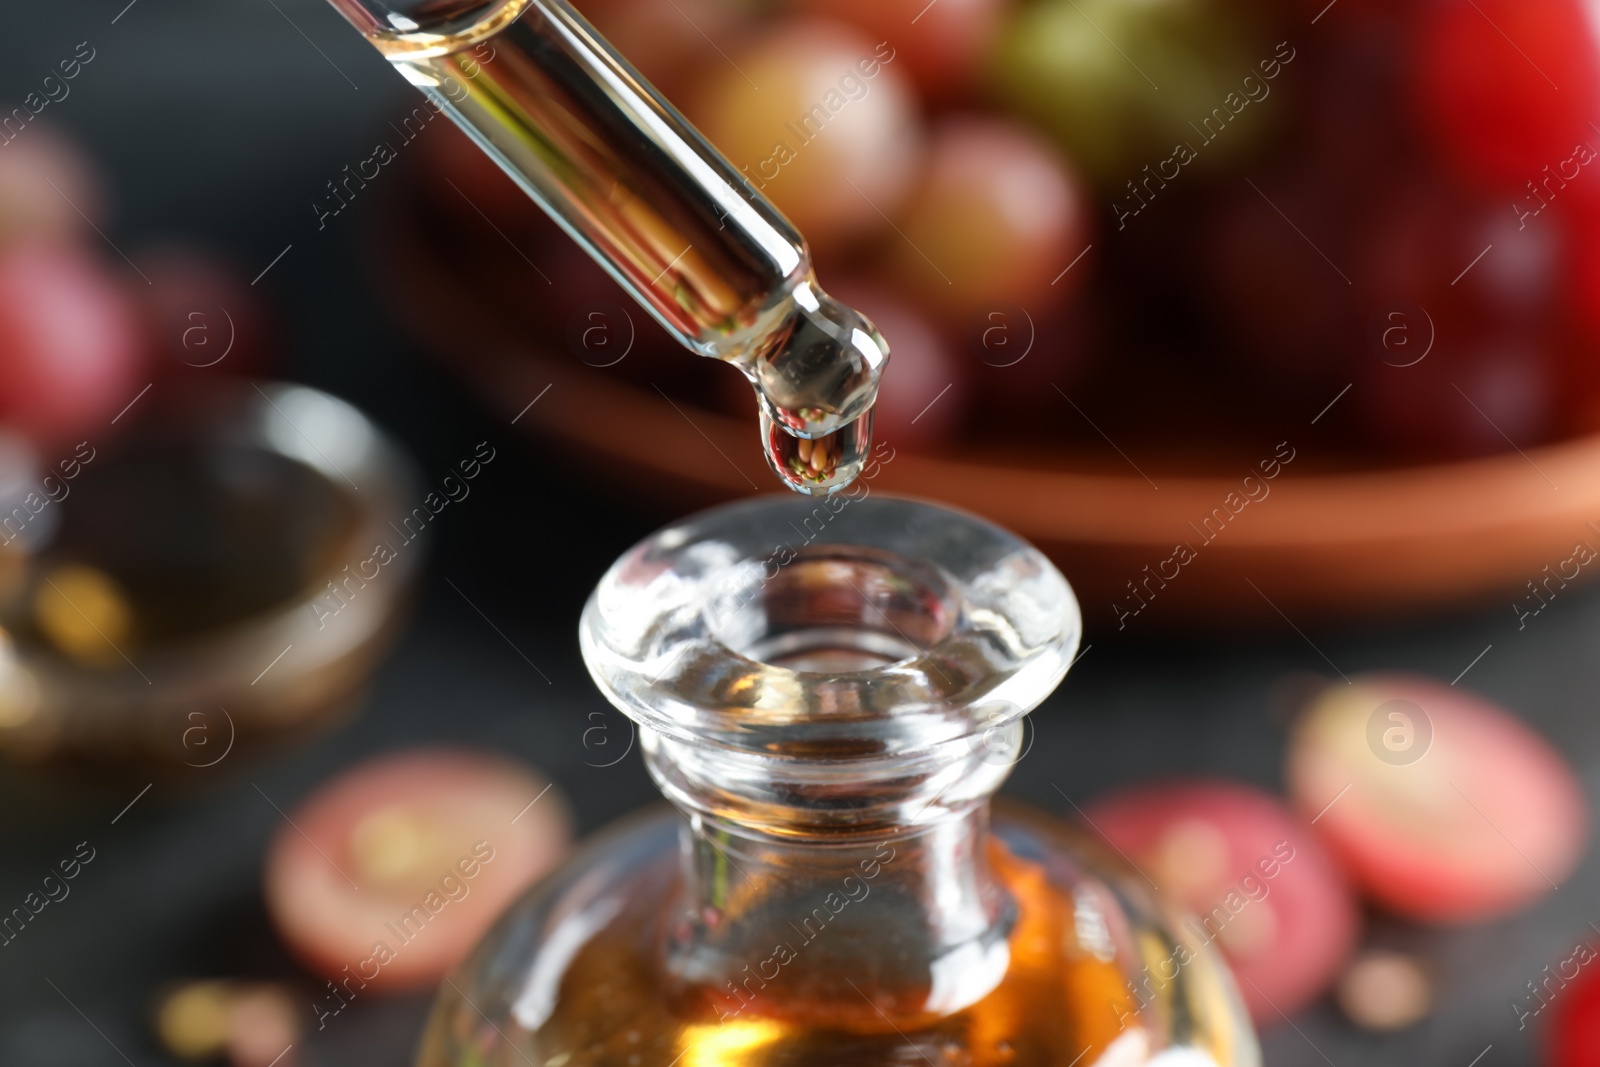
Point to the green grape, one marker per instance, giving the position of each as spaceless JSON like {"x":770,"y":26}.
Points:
{"x":1122,"y":83}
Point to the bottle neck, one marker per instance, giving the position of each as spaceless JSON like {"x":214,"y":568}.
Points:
{"x":805,"y":896}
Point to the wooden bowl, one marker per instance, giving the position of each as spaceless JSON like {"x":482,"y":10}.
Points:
{"x":1355,"y":544}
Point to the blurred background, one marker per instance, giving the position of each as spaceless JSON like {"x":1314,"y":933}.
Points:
{"x":1273,"y":323}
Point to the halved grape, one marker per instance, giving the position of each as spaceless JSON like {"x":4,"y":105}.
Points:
{"x":1253,"y":874}
{"x":390,"y":873}
{"x":1442,"y":806}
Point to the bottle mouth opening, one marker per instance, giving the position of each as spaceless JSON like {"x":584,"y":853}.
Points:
{"x":834,"y":610}
{"x":851,"y":630}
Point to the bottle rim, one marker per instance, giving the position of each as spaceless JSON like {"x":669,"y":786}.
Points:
{"x":861,"y":628}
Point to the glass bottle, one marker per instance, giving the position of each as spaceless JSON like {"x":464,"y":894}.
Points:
{"x":676,"y":224}
{"x":830,"y":694}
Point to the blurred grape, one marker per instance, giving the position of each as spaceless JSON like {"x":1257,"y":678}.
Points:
{"x":1575,"y":1029}
{"x":1508,"y":87}
{"x":392,"y":852}
{"x":1578,"y":354}
{"x":1024,"y":359}
{"x":1442,"y":806}
{"x":1121,"y":84}
{"x":470,"y":186}
{"x":1348,"y":123}
{"x":666,"y":41}
{"x":201,"y":312}
{"x":1253,"y":874}
{"x":70,"y":338}
{"x":1477,"y":299}
{"x":1462,"y":401}
{"x":927,"y":388}
{"x":945,"y":44}
{"x":1276,"y":290}
{"x":47,"y":187}
{"x":832,"y":134}
{"x":996,"y":216}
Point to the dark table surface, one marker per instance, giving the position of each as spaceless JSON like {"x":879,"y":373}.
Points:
{"x":222,"y":123}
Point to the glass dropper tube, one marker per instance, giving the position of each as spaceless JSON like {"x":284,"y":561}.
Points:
{"x":672,"y":220}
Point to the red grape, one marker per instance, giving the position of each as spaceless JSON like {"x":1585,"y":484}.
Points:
{"x":832,"y":134}
{"x":996,"y":216}
{"x":1464,"y":399}
{"x":470,"y":186}
{"x":70,"y":338}
{"x":1021,"y":356}
{"x":201,"y":312}
{"x":1507,"y":87}
{"x":927,"y":388}
{"x":664,"y":41}
{"x":1575,"y":1027}
{"x":943,"y":44}
{"x":1578,"y":357}
{"x":1471,"y":294}
{"x":1269,"y":261}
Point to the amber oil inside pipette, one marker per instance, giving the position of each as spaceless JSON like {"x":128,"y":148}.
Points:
{"x":667,"y":216}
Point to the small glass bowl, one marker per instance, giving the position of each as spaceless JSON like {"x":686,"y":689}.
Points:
{"x":222,"y":574}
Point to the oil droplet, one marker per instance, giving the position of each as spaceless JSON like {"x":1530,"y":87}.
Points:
{"x":817,"y":466}
{"x":816,"y":380}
